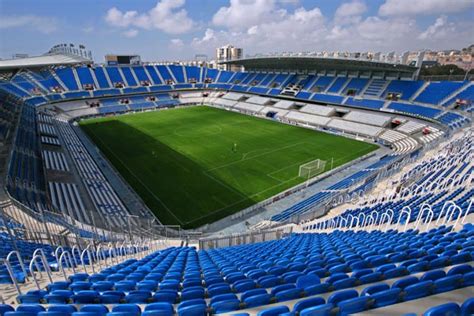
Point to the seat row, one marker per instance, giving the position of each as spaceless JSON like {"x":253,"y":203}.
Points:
{"x":343,"y":302}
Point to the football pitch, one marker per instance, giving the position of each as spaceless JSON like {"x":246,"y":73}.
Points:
{"x":196,"y":165}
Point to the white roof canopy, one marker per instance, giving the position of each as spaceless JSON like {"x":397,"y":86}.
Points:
{"x":42,"y":61}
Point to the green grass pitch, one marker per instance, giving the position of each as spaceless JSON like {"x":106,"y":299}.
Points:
{"x":195,"y":165}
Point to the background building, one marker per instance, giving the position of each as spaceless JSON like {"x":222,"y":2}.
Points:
{"x":112,"y":60}
{"x":226,"y":53}
{"x":71,"y":49}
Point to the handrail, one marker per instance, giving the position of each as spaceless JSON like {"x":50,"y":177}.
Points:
{"x":109,"y":247}
{"x":340,"y":222}
{"x":97,"y":254}
{"x":101,"y":256}
{"x":122,"y":249}
{"x":60,"y":264}
{"x":113,"y":258}
{"x":449,"y":215}
{"x":56,"y":253}
{"x":405,"y":210}
{"x":390,"y":218}
{"x":20,"y":260}
{"x":450,"y":202}
{"x":13,"y":276}
{"x":352,"y":219}
{"x":467,"y":211}
{"x":41,"y":251}
{"x":429,"y":220}
{"x":138,"y":250}
{"x":90,"y":259}
{"x":420,"y":212}
{"x":75,"y":247}
{"x":419,"y":217}
{"x":372,"y":223}
{"x":92,"y":252}
{"x":364,"y":221}
{"x":360,"y":222}
{"x":34,"y":260}
{"x":376,"y":218}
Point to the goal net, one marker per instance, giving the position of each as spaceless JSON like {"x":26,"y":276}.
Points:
{"x":312,"y":168}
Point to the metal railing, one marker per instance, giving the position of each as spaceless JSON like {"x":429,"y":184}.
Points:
{"x":67,"y":262}
{"x":450,"y":214}
{"x":464,"y":77}
{"x":242,"y":239}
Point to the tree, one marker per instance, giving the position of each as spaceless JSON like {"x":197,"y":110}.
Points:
{"x":442,"y":70}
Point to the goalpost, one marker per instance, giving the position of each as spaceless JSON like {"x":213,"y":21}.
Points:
{"x":312,"y":168}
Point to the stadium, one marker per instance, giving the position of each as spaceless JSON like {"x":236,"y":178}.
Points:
{"x":289,"y":185}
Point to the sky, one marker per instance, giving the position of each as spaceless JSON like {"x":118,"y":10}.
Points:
{"x":179,"y":29}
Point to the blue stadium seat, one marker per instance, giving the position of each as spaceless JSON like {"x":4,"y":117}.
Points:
{"x":354,"y":305}
{"x":274,"y":311}
{"x":448,"y":309}
{"x":97,"y":309}
{"x":128,"y":309}
{"x":322,"y":310}
{"x":386,"y":297}
{"x":257,"y":300}
{"x":341,"y":296}
{"x":227,"y":305}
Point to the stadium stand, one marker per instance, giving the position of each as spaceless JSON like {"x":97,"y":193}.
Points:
{"x":115,"y":77}
{"x":367,"y":118}
{"x":323,"y":82}
{"x":354,"y":127}
{"x":375,"y":87}
{"x":340,"y":272}
{"x":356,"y":84}
{"x":466,"y":94}
{"x":405,"y":88}
{"x":337,"y":85}
{"x":414,"y":109}
{"x":315,"y":120}
{"x":326,"y":98}
{"x":365,"y":103}
{"x":435,"y":92}
{"x":317,"y":109}
{"x":127,"y":73}
{"x":340,"y":250}
{"x":55,"y":160}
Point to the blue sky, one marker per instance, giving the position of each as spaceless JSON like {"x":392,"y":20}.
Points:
{"x":179,"y":29}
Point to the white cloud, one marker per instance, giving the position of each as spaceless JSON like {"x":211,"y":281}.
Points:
{"x":440,"y":29}
{"x":263,"y":26}
{"x":351,"y":8}
{"x":337,"y":33}
{"x":167,"y":16}
{"x":350,"y":12}
{"x":423,"y":7}
{"x":292,"y":2}
{"x":241,"y":14}
{"x":42,"y":24}
{"x":379,"y":29}
{"x":208,"y":37}
{"x":130,"y":33}
{"x":295,"y":29}
{"x":177,"y":42}
{"x":115,"y":17}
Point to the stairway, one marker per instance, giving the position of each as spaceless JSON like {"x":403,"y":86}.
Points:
{"x":375,"y":88}
{"x":36,"y":82}
{"x":76,"y":77}
{"x":419,"y":91}
{"x":452,"y":95}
